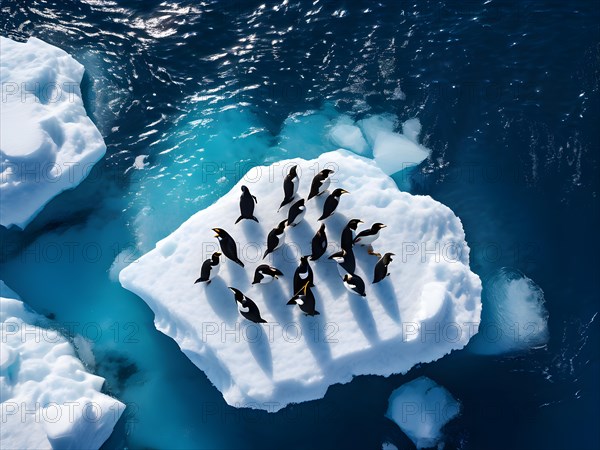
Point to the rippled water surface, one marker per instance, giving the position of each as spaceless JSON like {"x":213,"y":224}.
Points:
{"x":507,"y":93}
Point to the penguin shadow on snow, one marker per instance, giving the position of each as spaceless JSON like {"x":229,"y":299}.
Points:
{"x":221,"y":300}
{"x":254,"y":234}
{"x":364,"y":317}
{"x":314,"y":332}
{"x":238,"y":275}
{"x":386,"y":294}
{"x":258,"y":341}
{"x":275,"y":299}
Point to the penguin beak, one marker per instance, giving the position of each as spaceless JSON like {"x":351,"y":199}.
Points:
{"x":344,"y":191}
{"x":383,"y":226}
{"x":216,"y":230}
{"x":218,"y":253}
{"x":231,"y":289}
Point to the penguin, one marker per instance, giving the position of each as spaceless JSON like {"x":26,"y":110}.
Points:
{"x":264,"y":274}
{"x":346,"y":261}
{"x":305,"y":299}
{"x":247,"y":201}
{"x":355,"y":284}
{"x":319,"y":244}
{"x":303,"y":274}
{"x":296,"y":213}
{"x":247,"y":307}
{"x":210,"y":269}
{"x":367,"y":237}
{"x":332,"y":202}
{"x":320,"y":183}
{"x":290,"y":186}
{"x":348,"y":234}
{"x":276,"y":238}
{"x":228,"y":246}
{"x":381,"y":268}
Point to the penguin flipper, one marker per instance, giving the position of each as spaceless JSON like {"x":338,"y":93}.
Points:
{"x":316,"y":313}
{"x":199,"y":280}
{"x":291,"y":302}
{"x":266,"y":253}
{"x":255,"y":200}
{"x":237,"y":261}
{"x":255,"y":219}
{"x":238,"y":219}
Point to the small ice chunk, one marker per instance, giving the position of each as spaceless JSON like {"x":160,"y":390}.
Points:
{"x":421,"y":408}
{"x":345,"y":134}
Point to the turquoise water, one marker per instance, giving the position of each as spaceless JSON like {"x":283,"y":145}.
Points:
{"x":507,"y":94}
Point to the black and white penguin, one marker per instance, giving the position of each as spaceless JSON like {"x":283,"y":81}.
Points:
{"x":319,"y":243}
{"x":367,"y":237}
{"x":303,"y":274}
{"x":228,"y":246}
{"x":247,"y":201}
{"x":332,"y":202}
{"x":276,"y":238}
{"x":355,"y":284}
{"x":348,"y":234}
{"x":305,"y":299}
{"x":345,"y":261}
{"x":209,"y":269}
{"x":290,"y":186}
{"x":320,"y":183}
{"x":296,"y":213}
{"x":264,"y":274}
{"x":247,"y":307}
{"x":381,"y":268}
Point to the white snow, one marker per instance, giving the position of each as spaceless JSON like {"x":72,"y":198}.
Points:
{"x":514,"y":317}
{"x":429,"y":305}
{"x":48,"y":399}
{"x":421,"y":408}
{"x":48,"y":143}
{"x":376,"y":135}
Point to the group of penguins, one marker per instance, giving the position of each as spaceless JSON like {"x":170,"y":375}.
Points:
{"x":303,"y":276}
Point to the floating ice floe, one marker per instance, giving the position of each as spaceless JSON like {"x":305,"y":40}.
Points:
{"x":48,"y":143}
{"x":48,"y":399}
{"x":428,"y":306}
{"x":514,"y":316}
{"x":421,"y":408}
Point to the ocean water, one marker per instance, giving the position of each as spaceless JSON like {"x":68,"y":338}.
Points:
{"x":508,"y":97}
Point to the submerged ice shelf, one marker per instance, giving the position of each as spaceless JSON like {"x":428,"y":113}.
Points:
{"x":48,"y":143}
{"x":48,"y":399}
{"x":428,"y":306}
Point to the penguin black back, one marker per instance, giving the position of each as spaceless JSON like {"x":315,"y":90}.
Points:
{"x":303,"y":274}
{"x":348,"y":234}
{"x":319,"y":243}
{"x":228,"y":245}
{"x":320,"y":183}
{"x":247,"y":201}
{"x":290,"y":186}
{"x":305,"y":299}
{"x":381,"y":268}
{"x":332,"y":202}
{"x":247,"y":307}
{"x":275,"y":238}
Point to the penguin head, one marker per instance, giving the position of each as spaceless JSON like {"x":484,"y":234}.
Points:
{"x":293,"y":171}
{"x":339,"y":256}
{"x":245,"y":189}
{"x":300,"y":202}
{"x":304,"y":259}
{"x":346,"y":278}
{"x":378,"y":226}
{"x":237,"y":294}
{"x":327,"y":172}
{"x":353,"y":224}
{"x":339,"y":191}
{"x":322,"y":228}
{"x":387,"y":258}
{"x":216,"y":255}
{"x":219,"y":232}
{"x":281,"y":226}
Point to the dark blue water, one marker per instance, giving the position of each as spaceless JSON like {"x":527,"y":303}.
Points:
{"x":508,"y":96}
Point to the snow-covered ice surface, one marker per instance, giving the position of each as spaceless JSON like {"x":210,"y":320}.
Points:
{"x":48,"y":143}
{"x":514,"y":316}
{"x":421,"y":408}
{"x":429,"y":305}
{"x":48,"y":399}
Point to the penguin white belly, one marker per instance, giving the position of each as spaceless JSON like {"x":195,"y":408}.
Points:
{"x":281,"y":241}
{"x":368,"y":240}
{"x":299,"y":217}
{"x":324,"y":185}
{"x":266,"y":279}
{"x":347,"y":286}
{"x":295,"y":183}
{"x":303,"y":275}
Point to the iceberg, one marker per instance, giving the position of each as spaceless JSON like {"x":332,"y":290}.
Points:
{"x":48,"y":143}
{"x":514,"y":316}
{"x":421,"y":408}
{"x":428,"y":306}
{"x":48,"y":399}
